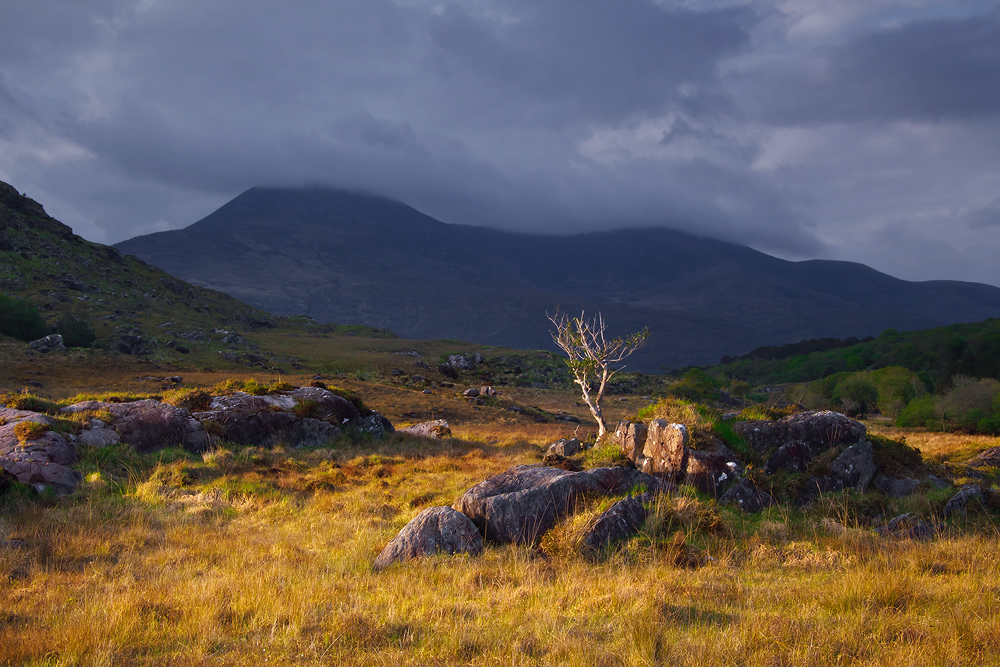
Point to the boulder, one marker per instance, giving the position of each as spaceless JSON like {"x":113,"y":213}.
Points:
{"x":855,"y":466}
{"x":377,"y":426}
{"x":471,"y":392}
{"x":959,"y":502}
{"x":44,"y":460}
{"x":447,"y":371}
{"x":521,"y":504}
{"x":150,"y":425}
{"x":620,"y":521}
{"x":328,"y":404}
{"x":631,"y":439}
{"x":896,"y":487}
{"x":50,"y":343}
{"x":465,"y":362}
{"x":435,"y":430}
{"x":814,"y":432}
{"x":487,"y":391}
{"x":564,"y":447}
{"x":988,"y":458}
{"x":665,"y":451}
{"x":435,"y":530}
{"x":745,"y":495}
{"x":712,"y":471}
{"x":909,"y":526}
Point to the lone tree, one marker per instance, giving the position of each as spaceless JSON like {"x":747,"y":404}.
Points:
{"x":592,"y":355}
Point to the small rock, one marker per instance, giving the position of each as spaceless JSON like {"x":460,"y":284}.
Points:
{"x":98,"y":437}
{"x":471,"y":392}
{"x":435,"y":430}
{"x":896,"y":487}
{"x":747,"y":497}
{"x":564,"y":447}
{"x":855,"y":466}
{"x":908,"y":525}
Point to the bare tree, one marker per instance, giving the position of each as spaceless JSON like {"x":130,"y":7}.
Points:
{"x":591,"y":355}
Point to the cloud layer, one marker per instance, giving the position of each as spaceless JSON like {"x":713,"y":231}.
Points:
{"x":862,"y":130}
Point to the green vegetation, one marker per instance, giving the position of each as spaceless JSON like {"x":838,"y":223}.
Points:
{"x":19,"y":319}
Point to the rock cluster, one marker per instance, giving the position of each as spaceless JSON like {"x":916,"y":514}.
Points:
{"x":307,"y":416}
{"x":833,"y":450}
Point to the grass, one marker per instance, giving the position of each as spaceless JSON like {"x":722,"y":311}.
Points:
{"x":247,"y":555}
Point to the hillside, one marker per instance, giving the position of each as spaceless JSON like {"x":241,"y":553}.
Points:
{"x":342,"y":256}
{"x":133,"y":308}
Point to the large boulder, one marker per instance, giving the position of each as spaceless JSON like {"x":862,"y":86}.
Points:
{"x":42,"y":460}
{"x":326,"y":404}
{"x":521,"y":504}
{"x":564,"y":447}
{"x":811,"y":432}
{"x":435,"y":530}
{"x":665,"y":451}
{"x":149,"y":425}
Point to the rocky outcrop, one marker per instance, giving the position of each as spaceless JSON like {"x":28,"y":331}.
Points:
{"x":809,"y":432}
{"x":435,"y":430}
{"x":958,"y":504}
{"x":855,"y":467}
{"x":748,"y":497}
{"x":712,"y":471}
{"x":149,"y":425}
{"x":433,"y":531}
{"x":908,"y":526}
{"x":631,"y":438}
{"x":41,"y":458}
{"x":521,"y":504}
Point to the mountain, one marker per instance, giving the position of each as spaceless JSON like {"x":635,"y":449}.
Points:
{"x":353,"y":257}
{"x":126,"y":302}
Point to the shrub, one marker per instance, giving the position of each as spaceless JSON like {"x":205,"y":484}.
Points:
{"x":76,"y":331}
{"x":919,"y":412}
{"x":19,"y":319}
{"x":29,"y":430}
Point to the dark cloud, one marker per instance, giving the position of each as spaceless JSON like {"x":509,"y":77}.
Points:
{"x":925,"y":70}
{"x":801,"y":127}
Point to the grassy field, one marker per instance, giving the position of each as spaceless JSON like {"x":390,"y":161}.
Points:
{"x":251,"y":556}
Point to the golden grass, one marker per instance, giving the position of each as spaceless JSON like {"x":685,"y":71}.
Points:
{"x":252,"y":556}
{"x":938,"y":445}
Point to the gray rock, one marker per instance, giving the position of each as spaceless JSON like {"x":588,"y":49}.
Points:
{"x":745,"y":495}
{"x":909,"y":526}
{"x":958,"y":504}
{"x":98,"y":437}
{"x":41,"y":462}
{"x":50,"y":343}
{"x":665,"y":451}
{"x":471,"y":392}
{"x":314,"y":433}
{"x":521,"y":504}
{"x":377,"y":426}
{"x":329,"y":405}
{"x":988,"y":458}
{"x":564,"y":447}
{"x":815,"y":431}
{"x":433,"y":531}
{"x":712,"y":471}
{"x":435,"y":430}
{"x":465,"y":362}
{"x":793,"y":456}
{"x":896,"y":487}
{"x":855,"y":466}
{"x":631,"y":439}
{"x":618,"y":522}
{"x":150,"y":425}
{"x":487,"y":392}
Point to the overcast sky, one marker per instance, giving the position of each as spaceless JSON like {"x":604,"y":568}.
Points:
{"x":864,"y":130}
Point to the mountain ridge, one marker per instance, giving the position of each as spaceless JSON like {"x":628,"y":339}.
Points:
{"x":345,"y":256}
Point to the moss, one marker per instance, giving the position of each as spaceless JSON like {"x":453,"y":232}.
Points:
{"x":895,"y":457}
{"x":195,"y":400}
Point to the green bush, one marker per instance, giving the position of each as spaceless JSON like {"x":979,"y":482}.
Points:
{"x":918,"y":412}
{"x":19,"y":319}
{"x":76,"y":331}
